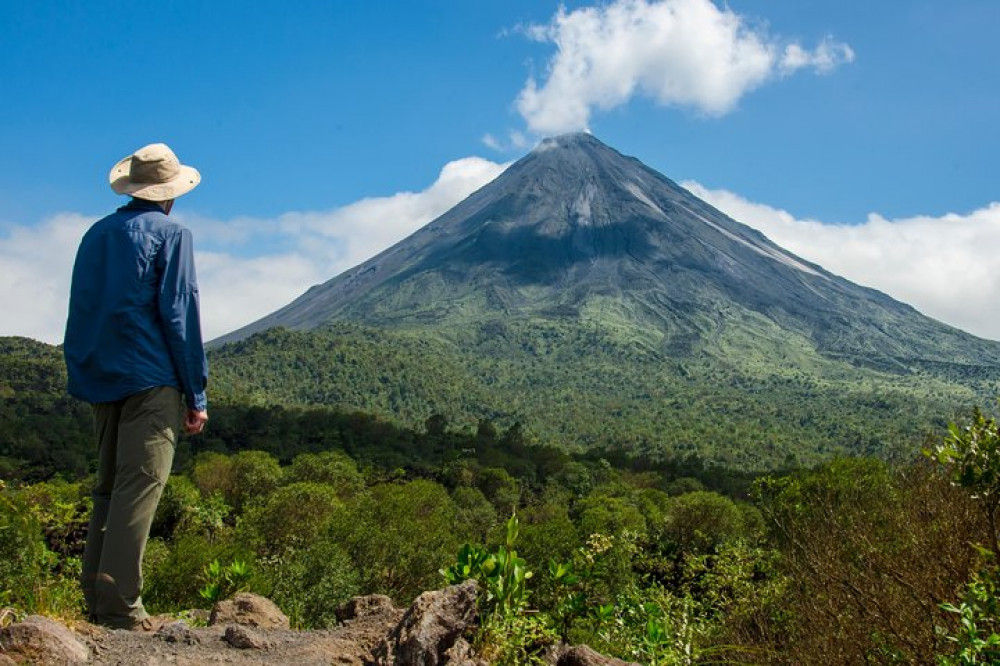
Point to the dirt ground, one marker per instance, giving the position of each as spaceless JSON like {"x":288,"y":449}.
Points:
{"x":181,"y":645}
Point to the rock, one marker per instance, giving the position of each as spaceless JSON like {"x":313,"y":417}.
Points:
{"x":251,"y":610}
{"x":430,"y":627}
{"x":178,"y":632}
{"x":198,"y":617}
{"x":583,"y":655}
{"x":39,"y":640}
{"x":373,"y":604}
{"x":245,"y":638}
{"x":460,"y":654}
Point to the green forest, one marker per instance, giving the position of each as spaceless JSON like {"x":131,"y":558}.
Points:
{"x":648,"y":555}
{"x":578,"y":386}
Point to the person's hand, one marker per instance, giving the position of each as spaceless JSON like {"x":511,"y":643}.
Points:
{"x":194,"y":421}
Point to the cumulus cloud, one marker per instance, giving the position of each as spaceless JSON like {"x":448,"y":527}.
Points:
{"x":947,"y":267}
{"x":36,"y":264}
{"x":355,"y":232}
{"x":247,"y":267}
{"x":688,"y":53}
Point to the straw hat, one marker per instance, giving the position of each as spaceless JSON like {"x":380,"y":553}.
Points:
{"x":153,"y":173}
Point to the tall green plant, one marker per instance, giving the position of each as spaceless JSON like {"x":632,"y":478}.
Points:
{"x":508,"y":634}
{"x":222,"y":581}
{"x":976,"y":640}
{"x":970,"y":456}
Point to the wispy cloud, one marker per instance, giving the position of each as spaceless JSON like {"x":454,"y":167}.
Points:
{"x":688,"y":53}
{"x":247,"y":267}
{"x":947,"y":267}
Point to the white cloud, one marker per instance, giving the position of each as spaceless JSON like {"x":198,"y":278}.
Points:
{"x":947,"y":267}
{"x":36,"y":264}
{"x":516,"y":141}
{"x":247,"y":267}
{"x":686,"y":53}
{"x":356,"y":232}
{"x":827,"y":56}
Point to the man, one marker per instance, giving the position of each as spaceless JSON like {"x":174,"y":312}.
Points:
{"x":133,"y":350}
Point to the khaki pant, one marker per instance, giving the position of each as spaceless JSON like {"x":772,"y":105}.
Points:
{"x":136,"y":436}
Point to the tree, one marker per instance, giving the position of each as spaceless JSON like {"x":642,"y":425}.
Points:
{"x":699,"y":522}
{"x":971,"y":456}
{"x":253,"y":475}
{"x":398,"y":535}
{"x":332,"y":468}
{"x":500,"y":488}
{"x":869,"y":552}
{"x":291,"y":516}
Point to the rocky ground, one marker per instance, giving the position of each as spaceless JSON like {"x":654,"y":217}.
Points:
{"x":250,"y":630}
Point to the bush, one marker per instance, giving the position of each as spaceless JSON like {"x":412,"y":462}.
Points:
{"x":332,"y":468}
{"x":239,"y":478}
{"x":177,"y":507}
{"x":475,"y":516}
{"x":292,"y":516}
{"x":870,"y":553}
{"x":41,"y":540}
{"x":174,"y":573}
{"x":309,"y":583}
{"x":698,"y":522}
{"x":398,"y":536}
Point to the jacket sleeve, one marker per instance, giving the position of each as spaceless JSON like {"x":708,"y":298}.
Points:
{"x":180,"y":314}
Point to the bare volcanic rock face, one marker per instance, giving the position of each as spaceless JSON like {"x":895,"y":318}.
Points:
{"x":576,"y":231}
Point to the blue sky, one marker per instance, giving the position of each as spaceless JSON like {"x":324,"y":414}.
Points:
{"x":861,"y":135}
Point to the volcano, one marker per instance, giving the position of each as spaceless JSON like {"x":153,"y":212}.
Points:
{"x":577,"y":231}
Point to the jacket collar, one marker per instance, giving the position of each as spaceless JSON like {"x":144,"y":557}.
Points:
{"x":141,"y":204}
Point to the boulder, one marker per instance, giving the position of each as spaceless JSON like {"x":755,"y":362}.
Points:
{"x":583,"y":655}
{"x":178,"y":632}
{"x":245,"y":638}
{"x":250,"y":610}
{"x":460,"y":654}
{"x":373,"y":604}
{"x":430,"y":628}
{"x":39,"y":640}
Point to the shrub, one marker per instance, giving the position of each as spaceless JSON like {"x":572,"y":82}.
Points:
{"x":698,"y":522}
{"x":506,"y":634}
{"x":291,"y":516}
{"x":41,"y":538}
{"x":174,"y":573}
{"x":177,"y":507}
{"x":398,"y":536}
{"x":332,"y":468}
{"x":309,"y":583}
{"x":870,"y":553}
{"x":475,"y":516}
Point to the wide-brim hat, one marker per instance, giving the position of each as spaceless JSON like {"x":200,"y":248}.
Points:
{"x":153,"y":173}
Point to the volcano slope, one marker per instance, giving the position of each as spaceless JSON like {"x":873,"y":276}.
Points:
{"x":595,"y":301}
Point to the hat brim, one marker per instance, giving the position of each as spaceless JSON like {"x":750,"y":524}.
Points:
{"x":121,"y":182}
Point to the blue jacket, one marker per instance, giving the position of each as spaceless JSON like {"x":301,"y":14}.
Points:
{"x":133,"y":309}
